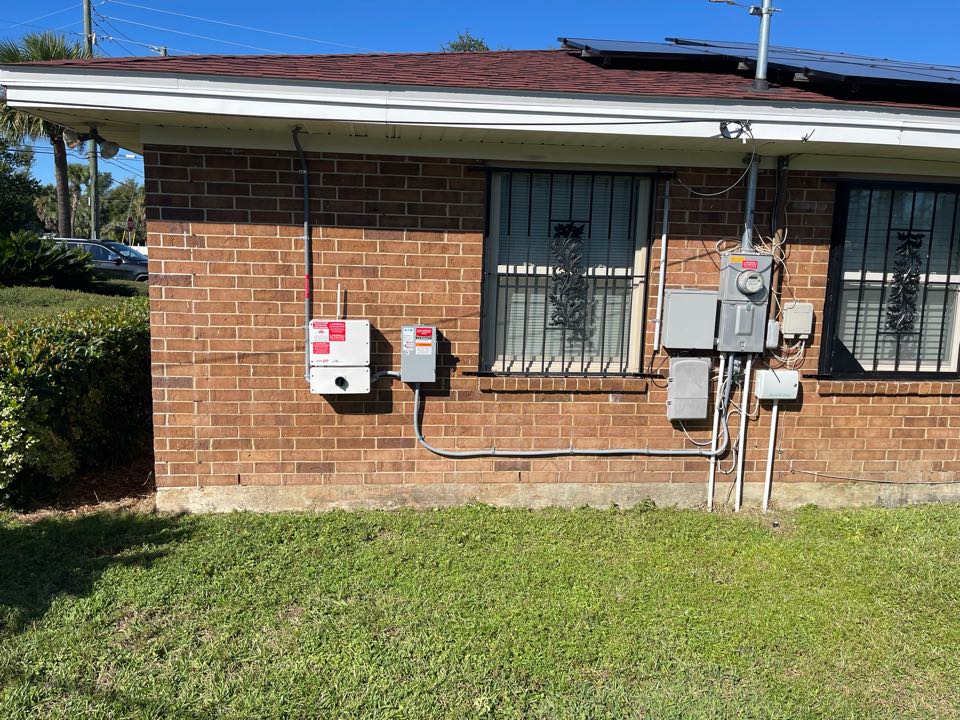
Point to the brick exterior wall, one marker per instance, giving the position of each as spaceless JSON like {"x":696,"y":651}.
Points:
{"x":403,"y":236}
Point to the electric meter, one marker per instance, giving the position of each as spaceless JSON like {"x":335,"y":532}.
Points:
{"x":750,"y":282}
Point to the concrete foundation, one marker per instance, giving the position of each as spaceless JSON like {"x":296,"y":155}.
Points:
{"x":537,"y":495}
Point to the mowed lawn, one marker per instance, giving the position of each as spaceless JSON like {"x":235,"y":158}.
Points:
{"x":482,"y":613}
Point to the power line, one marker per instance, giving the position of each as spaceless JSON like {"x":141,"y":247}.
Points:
{"x":121,"y":33}
{"x":242,"y":27}
{"x":41,"y":27}
{"x":193,"y":35}
{"x":105,"y":36}
{"x":41,"y":17}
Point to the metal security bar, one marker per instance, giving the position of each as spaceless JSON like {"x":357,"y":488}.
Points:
{"x":897,"y":288}
{"x":565,"y":273}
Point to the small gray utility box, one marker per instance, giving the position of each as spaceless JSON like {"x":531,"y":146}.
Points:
{"x":690,"y":322}
{"x":418,"y":353}
{"x":688,"y":388}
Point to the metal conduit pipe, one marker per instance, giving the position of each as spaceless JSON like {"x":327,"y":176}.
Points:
{"x":586,"y":452}
{"x":307,"y":254}
{"x":746,"y":241}
{"x":662,"y":275}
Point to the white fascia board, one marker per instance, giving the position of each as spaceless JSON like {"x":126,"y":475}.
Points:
{"x":67,"y":89}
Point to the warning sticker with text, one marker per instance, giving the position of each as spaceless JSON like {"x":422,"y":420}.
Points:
{"x":424,"y":341}
{"x":338,"y":331}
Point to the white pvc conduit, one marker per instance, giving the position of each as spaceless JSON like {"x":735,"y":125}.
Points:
{"x":712,"y":476}
{"x":662,"y":275}
{"x":768,"y":480}
{"x":742,"y":438}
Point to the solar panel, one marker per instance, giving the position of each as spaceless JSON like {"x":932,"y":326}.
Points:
{"x":627,"y":47}
{"x":837,"y":64}
{"x":815,"y":64}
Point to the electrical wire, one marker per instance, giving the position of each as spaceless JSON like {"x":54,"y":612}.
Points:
{"x":153,"y":47}
{"x":243,"y":27}
{"x":872,"y":481}
{"x":193,"y":35}
{"x":74,"y":6}
{"x":753,"y":157}
{"x":106,"y":36}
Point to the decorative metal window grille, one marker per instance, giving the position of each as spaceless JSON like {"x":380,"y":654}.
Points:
{"x":565,"y":271}
{"x":894,"y":285}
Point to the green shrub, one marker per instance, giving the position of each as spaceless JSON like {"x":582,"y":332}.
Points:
{"x":27,"y":259}
{"x":74,"y":394}
{"x":22,"y":303}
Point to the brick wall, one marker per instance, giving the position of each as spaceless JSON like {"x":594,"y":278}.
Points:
{"x":403,"y":236}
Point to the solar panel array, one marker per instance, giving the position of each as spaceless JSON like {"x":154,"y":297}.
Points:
{"x":814,"y":64}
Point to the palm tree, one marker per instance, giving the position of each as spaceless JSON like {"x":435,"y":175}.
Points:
{"x":18,"y":125}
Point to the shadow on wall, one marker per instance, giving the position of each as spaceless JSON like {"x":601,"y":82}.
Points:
{"x":383,"y":357}
{"x":67,"y":555}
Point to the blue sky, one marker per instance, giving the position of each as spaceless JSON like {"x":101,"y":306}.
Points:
{"x":902,"y":30}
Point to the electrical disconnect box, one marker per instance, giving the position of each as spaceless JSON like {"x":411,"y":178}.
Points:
{"x":690,"y":321}
{"x":339,"y":357}
{"x":688,"y":388}
{"x":418,"y":353}
{"x":744,"y":300}
{"x":777,"y":384}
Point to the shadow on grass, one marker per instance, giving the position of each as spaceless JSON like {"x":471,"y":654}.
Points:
{"x":60,"y":556}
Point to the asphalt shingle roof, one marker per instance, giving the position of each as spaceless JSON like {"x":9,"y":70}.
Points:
{"x":545,"y":71}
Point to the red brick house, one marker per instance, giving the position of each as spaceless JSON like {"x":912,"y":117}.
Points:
{"x":518,"y":202}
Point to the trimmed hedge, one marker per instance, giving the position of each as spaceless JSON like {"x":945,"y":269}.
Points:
{"x":30,"y":303}
{"x":74,"y":394}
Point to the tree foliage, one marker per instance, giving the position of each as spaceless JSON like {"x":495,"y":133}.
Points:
{"x":16,"y":126}
{"x":18,"y":191}
{"x":118,"y":201}
{"x":466,"y":42}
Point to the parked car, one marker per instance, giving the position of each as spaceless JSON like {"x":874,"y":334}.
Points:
{"x":112,"y":260}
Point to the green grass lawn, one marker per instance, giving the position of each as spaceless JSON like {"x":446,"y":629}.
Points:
{"x":19,"y":303}
{"x":482,"y":613}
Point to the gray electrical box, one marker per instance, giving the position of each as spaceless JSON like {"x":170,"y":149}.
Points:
{"x":418,"y":353}
{"x":797,"y":320}
{"x":744,"y":301}
{"x":688,"y":388}
{"x":690,"y":321}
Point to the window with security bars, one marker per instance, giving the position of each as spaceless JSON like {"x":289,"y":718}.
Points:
{"x":565,"y":271}
{"x":894,"y":282}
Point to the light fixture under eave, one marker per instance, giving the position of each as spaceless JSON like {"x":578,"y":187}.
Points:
{"x":108,"y":149}
{"x":73,"y":139}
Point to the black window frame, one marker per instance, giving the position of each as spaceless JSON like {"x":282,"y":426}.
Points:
{"x":832,"y":301}
{"x":643,"y":276}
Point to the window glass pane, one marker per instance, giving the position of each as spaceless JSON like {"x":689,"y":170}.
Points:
{"x":898,"y":299}
{"x":565,"y":275}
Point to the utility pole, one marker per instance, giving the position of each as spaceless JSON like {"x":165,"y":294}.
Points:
{"x":92,"y":148}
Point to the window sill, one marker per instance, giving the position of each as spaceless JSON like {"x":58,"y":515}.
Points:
{"x":833,"y":386}
{"x":585,"y":385}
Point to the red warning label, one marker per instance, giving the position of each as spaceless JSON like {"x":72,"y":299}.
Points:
{"x":750,"y":264}
{"x":338,"y":331}
{"x":321,"y":348}
{"x":424,"y":332}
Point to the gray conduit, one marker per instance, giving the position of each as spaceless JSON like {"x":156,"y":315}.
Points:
{"x":587,"y":452}
{"x":307,"y":254}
